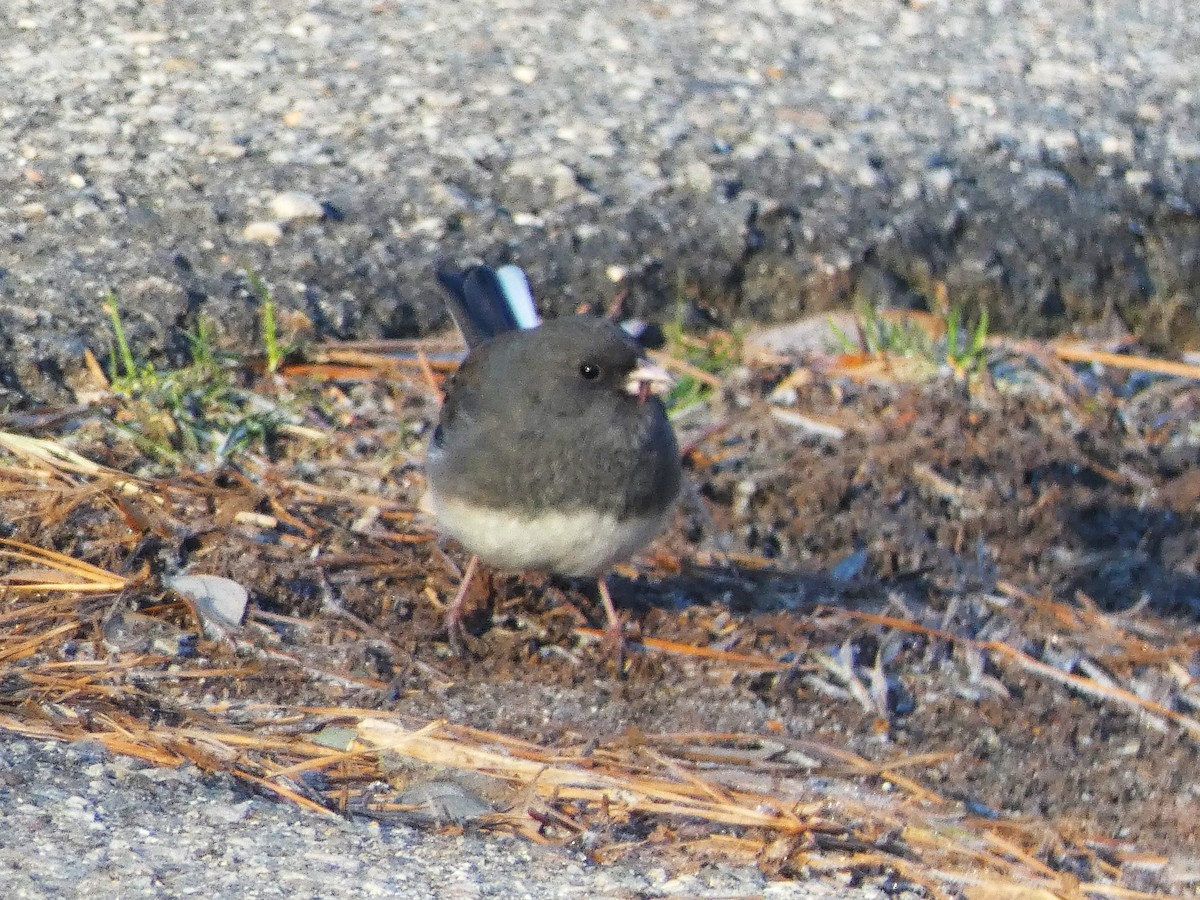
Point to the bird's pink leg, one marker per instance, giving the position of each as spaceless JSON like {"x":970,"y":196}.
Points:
{"x":454,"y":613}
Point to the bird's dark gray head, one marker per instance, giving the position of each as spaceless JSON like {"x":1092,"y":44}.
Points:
{"x":567,"y":365}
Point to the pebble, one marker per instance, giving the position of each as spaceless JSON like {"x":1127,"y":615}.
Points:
{"x":1116,"y":145}
{"x":85,"y":208}
{"x":940,"y":180}
{"x":177,"y":137}
{"x":547,"y":170}
{"x":1148,"y":112}
{"x":1042,"y":179}
{"x":525,"y":74}
{"x":698,"y":175}
{"x":295,"y":206}
{"x":225,"y":151}
{"x":842,"y":89}
{"x":144,"y":38}
{"x":269,"y":233}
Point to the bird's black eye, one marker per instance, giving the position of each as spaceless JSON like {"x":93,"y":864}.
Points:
{"x":590,"y":371}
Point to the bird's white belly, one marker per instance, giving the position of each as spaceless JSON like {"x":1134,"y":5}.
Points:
{"x":576,"y":543}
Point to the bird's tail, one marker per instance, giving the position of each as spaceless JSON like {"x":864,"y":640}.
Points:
{"x":486,"y":302}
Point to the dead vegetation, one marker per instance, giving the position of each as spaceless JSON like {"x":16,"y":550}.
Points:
{"x":956,"y":615}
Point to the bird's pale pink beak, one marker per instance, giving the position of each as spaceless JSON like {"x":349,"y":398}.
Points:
{"x":648,"y":380}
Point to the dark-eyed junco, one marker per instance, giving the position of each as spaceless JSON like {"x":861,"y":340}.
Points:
{"x":553,"y":451}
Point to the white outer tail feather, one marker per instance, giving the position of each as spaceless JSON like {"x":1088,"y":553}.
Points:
{"x":519,"y":296}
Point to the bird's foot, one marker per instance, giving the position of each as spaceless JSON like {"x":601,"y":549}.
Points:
{"x":614,"y":637}
{"x":456,"y":634}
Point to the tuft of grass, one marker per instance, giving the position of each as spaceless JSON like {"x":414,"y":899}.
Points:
{"x":967,"y":356}
{"x":962,"y":349}
{"x":273,"y":351}
{"x":874,"y":333}
{"x":119,"y":350}
{"x":197,"y":415}
{"x":714,"y":353}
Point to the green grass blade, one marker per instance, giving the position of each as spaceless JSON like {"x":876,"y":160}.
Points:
{"x":123,"y":351}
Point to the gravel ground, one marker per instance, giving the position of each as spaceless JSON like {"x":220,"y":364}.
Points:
{"x":77,"y":822}
{"x":762,"y":158}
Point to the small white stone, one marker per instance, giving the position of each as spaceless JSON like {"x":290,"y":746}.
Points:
{"x":33,"y":211}
{"x":1148,"y":112}
{"x":235,"y":68}
{"x":1046,"y":179}
{"x":436,"y":99}
{"x":684,"y":884}
{"x":1060,"y":139}
{"x":219,"y":602}
{"x":1116,"y":145}
{"x":76,"y":181}
{"x":698,"y":175}
{"x":177,"y":137}
{"x":841,"y":90}
{"x":269,"y":233}
{"x":526,"y":220}
{"x":226,"y":151}
{"x":85,"y":209}
{"x":292,"y":206}
{"x":525,"y":74}
{"x":940,"y":179}
{"x":616,"y":274}
{"x":562,"y":182}
{"x":1138,"y":178}
{"x":867,"y":176}
{"x":428,"y":225}
{"x":143,"y":38}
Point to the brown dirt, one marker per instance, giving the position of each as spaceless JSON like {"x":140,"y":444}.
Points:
{"x":1057,"y":518}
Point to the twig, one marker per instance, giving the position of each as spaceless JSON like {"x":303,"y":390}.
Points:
{"x":1075,"y":353}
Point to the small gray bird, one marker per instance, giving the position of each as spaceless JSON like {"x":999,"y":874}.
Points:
{"x":553,"y":451}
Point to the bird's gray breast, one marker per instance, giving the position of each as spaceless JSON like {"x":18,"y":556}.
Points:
{"x":624,"y":464}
